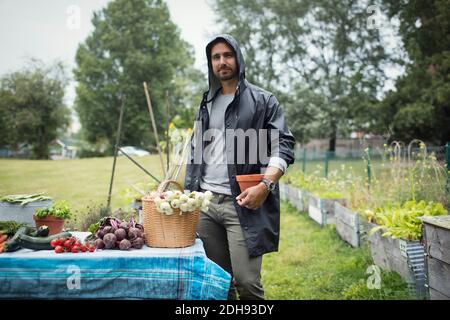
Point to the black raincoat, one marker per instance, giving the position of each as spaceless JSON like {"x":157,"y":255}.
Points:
{"x":252,"y":107}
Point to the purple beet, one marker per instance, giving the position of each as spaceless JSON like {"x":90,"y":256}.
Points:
{"x":110,"y":240}
{"x":120,"y":234}
{"x":137,"y":243}
{"x":99,"y":244}
{"x":107,"y":229}
{"x":125,"y":244}
{"x":124,"y":225}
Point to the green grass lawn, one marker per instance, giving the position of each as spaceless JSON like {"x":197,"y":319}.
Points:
{"x":313,"y":262}
{"x":81,"y":182}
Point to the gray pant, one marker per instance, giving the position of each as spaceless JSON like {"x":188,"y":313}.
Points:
{"x":222,"y":236}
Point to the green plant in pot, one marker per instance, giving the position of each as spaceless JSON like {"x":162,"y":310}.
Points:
{"x":53,"y":217}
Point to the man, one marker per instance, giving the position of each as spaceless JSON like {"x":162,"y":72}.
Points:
{"x":238,"y":227}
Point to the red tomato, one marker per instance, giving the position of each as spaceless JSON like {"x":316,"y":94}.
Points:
{"x":91,"y":249}
{"x":54,"y":243}
{"x":75,"y":249}
{"x":83,"y":248}
{"x":59,"y":249}
{"x":67,"y":243}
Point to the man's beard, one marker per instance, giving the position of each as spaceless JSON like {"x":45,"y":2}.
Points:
{"x":226,"y":77}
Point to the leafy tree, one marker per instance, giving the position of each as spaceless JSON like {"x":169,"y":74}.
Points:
{"x":320,"y":47}
{"x":419,"y":107}
{"x":32,"y":110}
{"x":133,"y":41}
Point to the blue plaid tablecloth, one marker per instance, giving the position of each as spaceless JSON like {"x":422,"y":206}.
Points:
{"x":148,"y":273}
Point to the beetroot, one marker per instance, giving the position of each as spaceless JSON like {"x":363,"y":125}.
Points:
{"x":100,"y":233}
{"x":110,"y":240}
{"x":120,"y":234}
{"x":99,"y":244}
{"x":137,"y":243}
{"x":124,"y":225}
{"x":125,"y":244}
{"x":107,"y":229}
{"x":133,"y":233}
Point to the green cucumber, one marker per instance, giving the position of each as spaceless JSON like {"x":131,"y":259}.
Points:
{"x":13,"y":244}
{"x":40,"y":243}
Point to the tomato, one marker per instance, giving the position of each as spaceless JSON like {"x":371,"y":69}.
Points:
{"x":75,"y":249}
{"x":59,"y":249}
{"x":54,"y":243}
{"x":83,"y":248}
{"x":91,"y":249}
{"x":67,"y":243}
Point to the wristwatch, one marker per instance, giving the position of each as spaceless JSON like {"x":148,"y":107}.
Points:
{"x":269,"y":184}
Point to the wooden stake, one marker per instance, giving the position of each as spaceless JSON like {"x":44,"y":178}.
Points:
{"x":119,"y":132}
{"x":155,"y":132}
{"x":167,"y":132}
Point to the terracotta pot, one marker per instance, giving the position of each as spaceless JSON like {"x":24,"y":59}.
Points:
{"x":246,"y":181}
{"x":55,"y":225}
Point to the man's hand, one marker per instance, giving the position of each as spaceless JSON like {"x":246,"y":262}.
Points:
{"x":253,"y":197}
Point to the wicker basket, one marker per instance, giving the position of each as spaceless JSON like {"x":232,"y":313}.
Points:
{"x":168,"y":231}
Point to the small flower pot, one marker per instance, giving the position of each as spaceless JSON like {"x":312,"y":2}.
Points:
{"x":54,"y":224}
{"x":246,"y":181}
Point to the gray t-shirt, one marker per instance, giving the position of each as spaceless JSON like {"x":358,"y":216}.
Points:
{"x":215,"y":176}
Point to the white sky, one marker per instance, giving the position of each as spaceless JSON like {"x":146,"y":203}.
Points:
{"x":45,"y":29}
{"x":42,"y":29}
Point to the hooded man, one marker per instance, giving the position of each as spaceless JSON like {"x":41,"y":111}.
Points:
{"x":239,"y":227}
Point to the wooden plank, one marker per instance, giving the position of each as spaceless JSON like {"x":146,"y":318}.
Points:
{"x":300,"y":200}
{"x":347,"y":233}
{"x":438,"y":221}
{"x":346,"y":216}
{"x":305,"y":200}
{"x":282,"y":187}
{"x":293,"y":194}
{"x":378,"y":251}
{"x":436,"y":295}
{"x":439,"y":275}
{"x":437,"y":242}
{"x":314,"y":211}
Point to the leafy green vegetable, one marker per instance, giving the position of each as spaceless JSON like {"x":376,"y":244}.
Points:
{"x":402,"y":221}
{"x":59,"y":209}
{"x":23,"y":199}
{"x":10,"y":227}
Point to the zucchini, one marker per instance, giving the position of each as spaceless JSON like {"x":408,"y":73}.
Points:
{"x":13,"y":244}
{"x":40,"y":243}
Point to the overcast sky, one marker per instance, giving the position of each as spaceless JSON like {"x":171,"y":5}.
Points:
{"x":44,"y":29}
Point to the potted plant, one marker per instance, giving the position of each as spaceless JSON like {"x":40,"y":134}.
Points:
{"x":53,"y":217}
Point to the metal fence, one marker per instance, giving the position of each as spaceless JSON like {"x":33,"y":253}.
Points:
{"x":366,"y":161}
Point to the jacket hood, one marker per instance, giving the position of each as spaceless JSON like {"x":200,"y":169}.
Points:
{"x":214,"y":82}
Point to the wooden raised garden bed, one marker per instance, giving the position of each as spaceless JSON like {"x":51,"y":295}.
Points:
{"x":297,"y":197}
{"x":436,"y":238}
{"x":322,"y":210}
{"x":283,"y":191}
{"x":348,"y":225}
{"x":407,"y":258}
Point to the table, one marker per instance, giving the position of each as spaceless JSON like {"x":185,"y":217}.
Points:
{"x":147,"y":273}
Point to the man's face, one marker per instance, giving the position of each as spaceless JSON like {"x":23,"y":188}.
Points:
{"x":223,"y":61}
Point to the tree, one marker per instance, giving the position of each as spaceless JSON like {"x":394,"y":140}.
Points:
{"x":133,"y":41}
{"x":419,"y":107}
{"x":32,"y":110}
{"x":323,"y":48}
